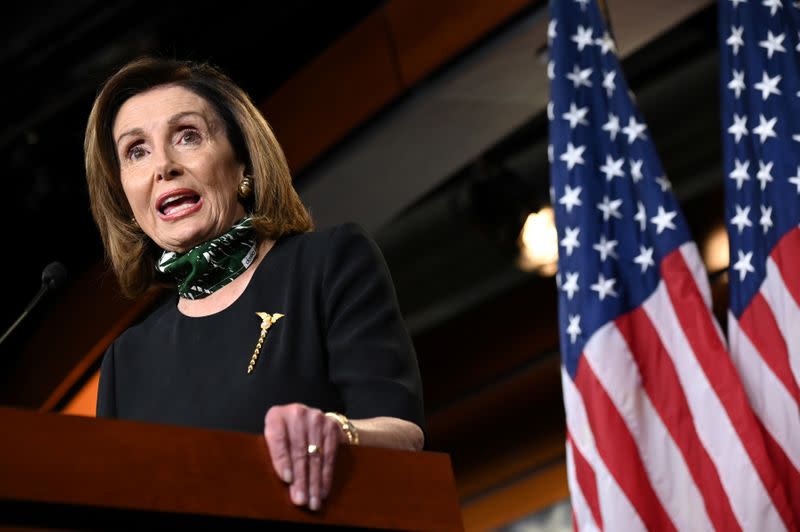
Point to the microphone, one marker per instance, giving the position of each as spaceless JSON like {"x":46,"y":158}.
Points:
{"x":54,"y":276}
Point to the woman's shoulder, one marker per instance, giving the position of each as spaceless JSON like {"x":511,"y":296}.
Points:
{"x":328,"y":254}
{"x":162,"y":314}
{"x":323,"y":237}
{"x":334,"y":239}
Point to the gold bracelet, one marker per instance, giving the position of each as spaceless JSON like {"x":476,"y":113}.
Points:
{"x":348,"y":428}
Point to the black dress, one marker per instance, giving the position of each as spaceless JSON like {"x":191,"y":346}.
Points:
{"x":341,"y":346}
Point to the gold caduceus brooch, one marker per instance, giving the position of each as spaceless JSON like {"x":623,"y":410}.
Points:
{"x":266,"y":322}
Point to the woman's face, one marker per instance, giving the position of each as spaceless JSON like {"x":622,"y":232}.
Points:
{"x":178,"y":169}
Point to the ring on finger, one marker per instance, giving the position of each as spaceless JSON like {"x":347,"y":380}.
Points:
{"x":314,"y":450}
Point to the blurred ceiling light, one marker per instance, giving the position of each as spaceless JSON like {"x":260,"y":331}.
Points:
{"x":538,"y":243}
{"x":716,"y":254}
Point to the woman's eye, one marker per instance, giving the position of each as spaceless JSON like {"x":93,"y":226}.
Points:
{"x":190,"y":136}
{"x":136,"y":152}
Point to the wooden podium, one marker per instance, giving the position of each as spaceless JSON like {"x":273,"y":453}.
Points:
{"x":74,"y":473}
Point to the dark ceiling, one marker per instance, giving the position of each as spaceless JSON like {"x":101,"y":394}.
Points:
{"x":54,"y":58}
{"x":456,"y":248}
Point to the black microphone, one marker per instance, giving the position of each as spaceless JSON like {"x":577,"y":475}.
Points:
{"x":54,"y":276}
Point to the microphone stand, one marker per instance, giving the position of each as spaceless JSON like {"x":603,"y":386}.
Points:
{"x":53,"y":276}
{"x":42,"y":291}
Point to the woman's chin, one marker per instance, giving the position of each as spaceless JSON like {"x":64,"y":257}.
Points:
{"x":181,"y":243}
{"x":183,"y":235}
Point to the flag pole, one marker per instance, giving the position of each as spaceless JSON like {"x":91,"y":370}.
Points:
{"x":604,"y":11}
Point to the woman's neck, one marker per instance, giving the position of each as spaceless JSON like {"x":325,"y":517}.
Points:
{"x":225,"y":296}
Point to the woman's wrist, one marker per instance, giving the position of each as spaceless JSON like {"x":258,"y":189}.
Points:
{"x":348,"y":429}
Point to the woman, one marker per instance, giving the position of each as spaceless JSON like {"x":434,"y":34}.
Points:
{"x":274,"y":328}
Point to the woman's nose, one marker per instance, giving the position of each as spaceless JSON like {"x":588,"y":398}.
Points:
{"x":166,"y":167}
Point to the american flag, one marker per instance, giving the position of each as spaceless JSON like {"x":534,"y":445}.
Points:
{"x":760,"y":57}
{"x":660,"y":432}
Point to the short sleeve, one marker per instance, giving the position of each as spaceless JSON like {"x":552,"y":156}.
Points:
{"x":371,"y":357}
{"x":106,"y":396}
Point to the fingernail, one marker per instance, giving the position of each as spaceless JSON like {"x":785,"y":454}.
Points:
{"x":298,"y":497}
{"x":287,"y":476}
{"x":314,"y":503}
{"x":324,"y":494}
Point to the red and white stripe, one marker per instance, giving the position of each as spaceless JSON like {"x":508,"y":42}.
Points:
{"x":608,"y":506}
{"x":765,"y":346}
{"x":582,"y":515}
{"x":659,"y":422}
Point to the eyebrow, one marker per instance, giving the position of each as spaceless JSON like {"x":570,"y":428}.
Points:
{"x":174,"y":119}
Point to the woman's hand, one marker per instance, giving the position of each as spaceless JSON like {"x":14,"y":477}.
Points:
{"x":302,"y":443}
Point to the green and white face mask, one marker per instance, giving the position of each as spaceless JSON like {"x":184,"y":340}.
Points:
{"x":209,"y":266}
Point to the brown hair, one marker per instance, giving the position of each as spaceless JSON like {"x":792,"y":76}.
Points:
{"x":276,"y":208}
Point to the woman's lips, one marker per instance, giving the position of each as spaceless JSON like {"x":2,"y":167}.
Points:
{"x":178,"y":203}
{"x":180,"y":210}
